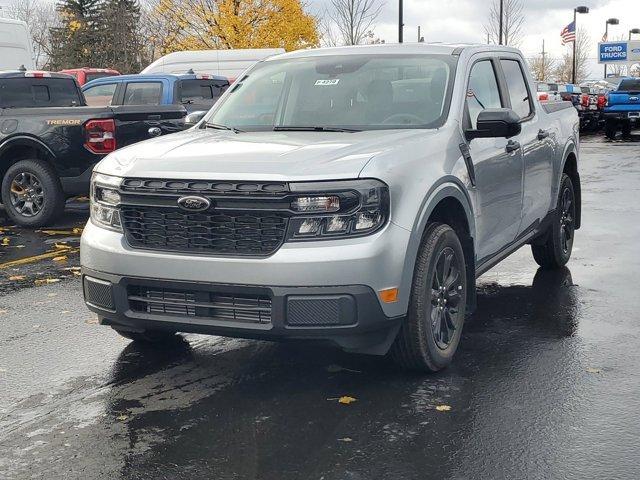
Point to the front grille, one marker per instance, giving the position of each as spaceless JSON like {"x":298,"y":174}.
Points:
{"x":232,"y":233}
{"x":246,"y":308}
{"x":156,"y":186}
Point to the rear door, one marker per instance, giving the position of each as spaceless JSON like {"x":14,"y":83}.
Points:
{"x":498,"y":166}
{"x":134,"y":122}
{"x":536,"y":143}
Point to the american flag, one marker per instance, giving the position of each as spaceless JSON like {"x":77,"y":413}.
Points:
{"x":568,"y":33}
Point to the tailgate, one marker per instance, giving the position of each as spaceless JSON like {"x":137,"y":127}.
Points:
{"x":133,"y":122}
{"x":624,"y":100}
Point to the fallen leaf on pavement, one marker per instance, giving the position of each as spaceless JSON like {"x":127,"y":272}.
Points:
{"x":74,"y":231}
{"x":91,"y":321}
{"x":16,"y":278}
{"x":5,"y":241}
{"x":345,"y":400}
{"x":60,"y":245}
{"x":122,"y":418}
{"x":76,"y":273}
{"x":61,"y":258}
{"x":443,"y":408}
{"x":45,"y":281}
{"x":594,"y":370}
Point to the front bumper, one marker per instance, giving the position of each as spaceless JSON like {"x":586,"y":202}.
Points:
{"x":353,"y":269}
{"x":348,"y":316}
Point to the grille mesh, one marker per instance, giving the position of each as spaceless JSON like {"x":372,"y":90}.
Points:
{"x":239,"y":233}
{"x":192,"y":303}
{"x":98,"y":293}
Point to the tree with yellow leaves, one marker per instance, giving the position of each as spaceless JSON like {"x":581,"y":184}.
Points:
{"x":226,"y":24}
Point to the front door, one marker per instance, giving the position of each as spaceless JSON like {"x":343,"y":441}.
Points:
{"x":498,"y":167}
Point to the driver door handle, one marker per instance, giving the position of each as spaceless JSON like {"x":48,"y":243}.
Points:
{"x":512,"y":146}
{"x":542,"y":134}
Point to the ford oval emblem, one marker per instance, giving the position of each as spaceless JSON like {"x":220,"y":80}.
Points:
{"x":194,"y":204}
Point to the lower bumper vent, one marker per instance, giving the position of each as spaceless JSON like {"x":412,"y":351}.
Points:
{"x":98,"y":293}
{"x":203,"y":304}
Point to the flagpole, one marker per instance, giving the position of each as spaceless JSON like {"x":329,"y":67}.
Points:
{"x":575,"y":41}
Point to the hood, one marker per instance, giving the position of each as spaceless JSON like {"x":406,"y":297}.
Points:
{"x":277,"y":156}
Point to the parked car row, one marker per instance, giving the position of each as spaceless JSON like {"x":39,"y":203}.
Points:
{"x":50,"y":140}
{"x":612,"y":106}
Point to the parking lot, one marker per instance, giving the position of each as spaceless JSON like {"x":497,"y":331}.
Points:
{"x":545,"y":385}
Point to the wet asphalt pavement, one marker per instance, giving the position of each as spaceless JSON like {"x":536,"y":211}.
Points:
{"x":546,"y":384}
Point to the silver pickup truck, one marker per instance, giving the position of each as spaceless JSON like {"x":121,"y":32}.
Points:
{"x":344,"y":195}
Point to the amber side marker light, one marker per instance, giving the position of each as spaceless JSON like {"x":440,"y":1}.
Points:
{"x":389,"y":295}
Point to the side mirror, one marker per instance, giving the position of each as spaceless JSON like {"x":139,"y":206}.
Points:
{"x":496,"y":123}
{"x":194,"y":117}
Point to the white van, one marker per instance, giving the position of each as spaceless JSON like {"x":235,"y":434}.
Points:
{"x":15,"y":45}
{"x":227,"y":63}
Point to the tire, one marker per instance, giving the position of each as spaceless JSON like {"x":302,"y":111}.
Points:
{"x":611,"y":130}
{"x":556,"y":250}
{"x":147,"y":336}
{"x":626,"y":130}
{"x":418,"y":346}
{"x":31,"y":193}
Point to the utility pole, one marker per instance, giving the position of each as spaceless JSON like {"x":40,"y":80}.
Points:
{"x":501,"y":21}
{"x":544,"y":64}
{"x":400,"y":23}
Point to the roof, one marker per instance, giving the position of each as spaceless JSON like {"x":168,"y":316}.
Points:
{"x":153,"y":76}
{"x":33,"y":73}
{"x":396,"y":48}
{"x":90,"y":70}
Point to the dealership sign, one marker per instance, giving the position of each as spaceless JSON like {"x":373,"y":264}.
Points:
{"x":623,"y":52}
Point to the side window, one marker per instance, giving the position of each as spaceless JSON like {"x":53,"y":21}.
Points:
{"x":483,"y":91}
{"x":100,"y":95}
{"x":518,"y":91}
{"x":143,"y":93}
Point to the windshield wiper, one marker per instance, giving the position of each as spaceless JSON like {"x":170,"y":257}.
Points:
{"x":313,"y":129}
{"x":219,"y":126}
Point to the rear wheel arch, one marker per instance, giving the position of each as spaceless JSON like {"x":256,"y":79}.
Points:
{"x":570,"y":167}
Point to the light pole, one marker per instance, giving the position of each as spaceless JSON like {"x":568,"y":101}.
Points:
{"x":634,"y":31}
{"x":500,"y":22}
{"x":575,"y":39}
{"x":400,"y":23}
{"x":611,"y":21}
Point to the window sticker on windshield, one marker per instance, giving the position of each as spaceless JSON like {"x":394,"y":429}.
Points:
{"x":326,"y":83}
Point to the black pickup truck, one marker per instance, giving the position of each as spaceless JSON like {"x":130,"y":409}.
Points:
{"x":50,"y":140}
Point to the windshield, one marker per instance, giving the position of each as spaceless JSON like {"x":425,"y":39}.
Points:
{"x":359,"y":92}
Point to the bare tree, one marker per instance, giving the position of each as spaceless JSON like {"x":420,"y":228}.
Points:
{"x":353,"y":21}
{"x":564,"y":69}
{"x":542,"y":67}
{"x":512,"y":22}
{"x":40,"y":17}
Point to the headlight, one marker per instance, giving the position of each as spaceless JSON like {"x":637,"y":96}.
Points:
{"x":105,"y":200}
{"x":329,"y":210}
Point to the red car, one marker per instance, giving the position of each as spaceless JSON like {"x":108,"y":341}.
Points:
{"x":85,"y":74}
